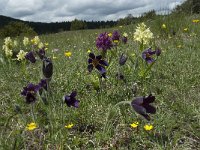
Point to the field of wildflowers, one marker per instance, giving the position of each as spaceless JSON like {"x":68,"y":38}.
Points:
{"x":129,"y":87}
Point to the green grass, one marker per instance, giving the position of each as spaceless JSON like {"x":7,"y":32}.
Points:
{"x":98,"y":124}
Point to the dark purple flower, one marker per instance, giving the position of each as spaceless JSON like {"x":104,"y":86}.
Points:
{"x":115,"y":36}
{"x":158,"y":52}
{"x":41,"y":53}
{"x":122,"y":60}
{"x":30,"y":56}
{"x":104,"y":42}
{"x":147,"y":55}
{"x":124,"y":39}
{"x":30,"y":92}
{"x":43,"y":84}
{"x":142,"y":106}
{"x":70,"y":100}
{"x":98,"y":63}
{"x":47,"y":67}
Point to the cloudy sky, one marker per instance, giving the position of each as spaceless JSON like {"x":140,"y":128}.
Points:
{"x":67,"y":10}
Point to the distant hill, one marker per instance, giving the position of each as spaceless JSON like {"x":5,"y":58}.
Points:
{"x":43,"y":28}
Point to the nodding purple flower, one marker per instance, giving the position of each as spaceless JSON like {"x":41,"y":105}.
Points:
{"x":142,"y":106}
{"x":41,"y":53}
{"x":70,"y":100}
{"x":115,"y":36}
{"x":104,"y":42}
{"x":124,"y":39}
{"x":98,"y":63}
{"x":147,"y":55}
{"x":30,"y":56}
{"x":47,"y":68}
{"x":122,"y":60}
{"x":158,"y":52}
{"x":43,"y":84}
{"x":30,"y":92}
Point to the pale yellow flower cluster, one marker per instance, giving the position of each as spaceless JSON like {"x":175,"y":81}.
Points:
{"x":8,"y":46}
{"x":26,"y":41}
{"x":37,"y":42}
{"x":21,"y":55}
{"x":143,"y":34}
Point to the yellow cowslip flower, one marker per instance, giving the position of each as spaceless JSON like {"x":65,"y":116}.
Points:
{"x":25,"y":41}
{"x":69,"y":126}
{"x":46,"y":44}
{"x":134,"y":124}
{"x":31,"y":126}
{"x":21,"y":55}
{"x":148,"y":127}
{"x":88,"y":51}
{"x":143,"y":34}
{"x":109,"y":34}
{"x":163,"y":26}
{"x":195,"y":20}
{"x":68,"y":54}
{"x":185,"y":29}
{"x":120,"y":26}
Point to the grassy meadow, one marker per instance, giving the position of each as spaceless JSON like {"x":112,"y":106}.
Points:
{"x":101,"y":121}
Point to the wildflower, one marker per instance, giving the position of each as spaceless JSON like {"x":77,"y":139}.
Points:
{"x":15,"y":43}
{"x":30,"y":56}
{"x":47,"y":68}
{"x":30,"y":92}
{"x":46,"y":44}
{"x":8,"y":42}
{"x":97,"y":62}
{"x":134,"y":124}
{"x":148,"y":127}
{"x":179,"y":46}
{"x":120,"y":26}
{"x":163,"y":26}
{"x":8,"y":52}
{"x":68,"y":54}
{"x":43,"y":83}
{"x":69,"y":126}
{"x":110,"y":34}
{"x":70,"y":100}
{"x":31,"y":126}
{"x":185,"y":29}
{"x":88,"y":51}
{"x":40,"y":45}
{"x":25,"y":41}
{"x":35,"y":40}
{"x":122,"y":60}
{"x":115,"y":36}
{"x":143,"y":34}
{"x":195,"y":20}
{"x":142,"y":106}
{"x":147,"y":55}
{"x":103,"y":42}
{"x":21,"y":55}
{"x":41,"y":53}
{"x":124,"y":38}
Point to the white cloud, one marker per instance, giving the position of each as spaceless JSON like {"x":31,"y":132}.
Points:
{"x":64,"y":10}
